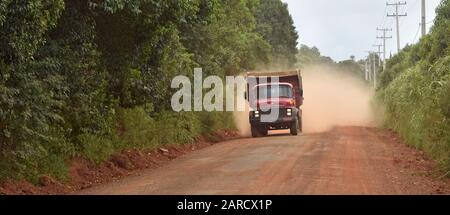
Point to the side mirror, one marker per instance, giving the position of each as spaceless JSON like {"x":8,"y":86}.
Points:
{"x":245,"y":96}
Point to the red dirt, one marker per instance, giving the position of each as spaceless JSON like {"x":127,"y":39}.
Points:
{"x":85,"y":174}
{"x":417,"y":164}
{"x":345,"y":160}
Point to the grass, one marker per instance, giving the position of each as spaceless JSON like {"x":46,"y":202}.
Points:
{"x":135,"y":129}
{"x":417,"y":106}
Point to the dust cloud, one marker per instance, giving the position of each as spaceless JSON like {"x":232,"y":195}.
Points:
{"x":241,"y":119}
{"x":332,"y":98}
{"x":335,"y":98}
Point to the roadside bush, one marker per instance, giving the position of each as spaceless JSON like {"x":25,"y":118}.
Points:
{"x":31,"y":162}
{"x":97,"y":148}
{"x":135,"y":128}
{"x":417,"y":105}
{"x":140,"y":129}
{"x":212,"y":121}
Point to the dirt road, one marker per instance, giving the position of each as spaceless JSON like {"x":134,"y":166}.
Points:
{"x":346,"y":160}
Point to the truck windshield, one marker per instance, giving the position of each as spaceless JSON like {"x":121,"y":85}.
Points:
{"x":274,"y":91}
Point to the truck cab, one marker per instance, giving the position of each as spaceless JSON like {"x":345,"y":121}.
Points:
{"x":278,"y":95}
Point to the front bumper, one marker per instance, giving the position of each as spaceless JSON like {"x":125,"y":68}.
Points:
{"x":265,"y":119}
{"x":285,"y":121}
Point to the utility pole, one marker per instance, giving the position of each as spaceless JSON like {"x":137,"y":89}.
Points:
{"x":366,"y":69}
{"x":371,"y":65}
{"x":374,"y":70}
{"x":379,"y":63}
{"x":384,"y":38}
{"x":397,"y":16}
{"x":424,"y":19}
{"x":379,"y":52}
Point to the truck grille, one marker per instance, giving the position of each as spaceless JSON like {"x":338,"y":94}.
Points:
{"x":282,"y":112}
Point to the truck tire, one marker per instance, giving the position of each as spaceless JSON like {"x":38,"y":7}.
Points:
{"x":258,"y":131}
{"x":295,"y":127}
{"x":300,"y":124}
{"x":255,"y":131}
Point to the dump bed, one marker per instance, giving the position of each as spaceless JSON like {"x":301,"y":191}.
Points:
{"x":292,"y":77}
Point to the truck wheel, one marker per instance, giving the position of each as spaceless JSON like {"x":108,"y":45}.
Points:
{"x":258,"y":131}
{"x":300,"y":125}
{"x":255,"y":131}
{"x":295,"y":127}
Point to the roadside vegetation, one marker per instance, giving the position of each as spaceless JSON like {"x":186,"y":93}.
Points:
{"x":90,"y":78}
{"x":415,"y":89}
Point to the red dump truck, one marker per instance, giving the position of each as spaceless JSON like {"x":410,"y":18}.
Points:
{"x":278,"y":94}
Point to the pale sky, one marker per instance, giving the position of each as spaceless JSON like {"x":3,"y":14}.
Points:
{"x":340,"y":28}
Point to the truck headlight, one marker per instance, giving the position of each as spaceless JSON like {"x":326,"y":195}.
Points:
{"x":257,"y":114}
{"x":289,"y":112}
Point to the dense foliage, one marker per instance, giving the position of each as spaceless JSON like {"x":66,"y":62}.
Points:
{"x":88,"y":78}
{"x":276,"y":26}
{"x":415,"y":89}
{"x":311,"y":56}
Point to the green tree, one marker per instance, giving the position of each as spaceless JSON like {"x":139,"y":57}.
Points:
{"x":73,"y":60}
{"x":276,"y":26}
{"x":27,"y":102}
{"x":88,"y":78}
{"x":311,"y":56}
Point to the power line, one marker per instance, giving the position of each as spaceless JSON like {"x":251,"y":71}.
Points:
{"x":417,"y":34}
{"x":366,"y":68}
{"x":384,"y":17}
{"x":430,"y":22}
{"x":424,"y":19}
{"x":383,"y":20}
{"x":371,"y":65}
{"x":384,"y":38}
{"x":397,"y":15}
{"x":375,"y":70}
{"x":414,"y":5}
